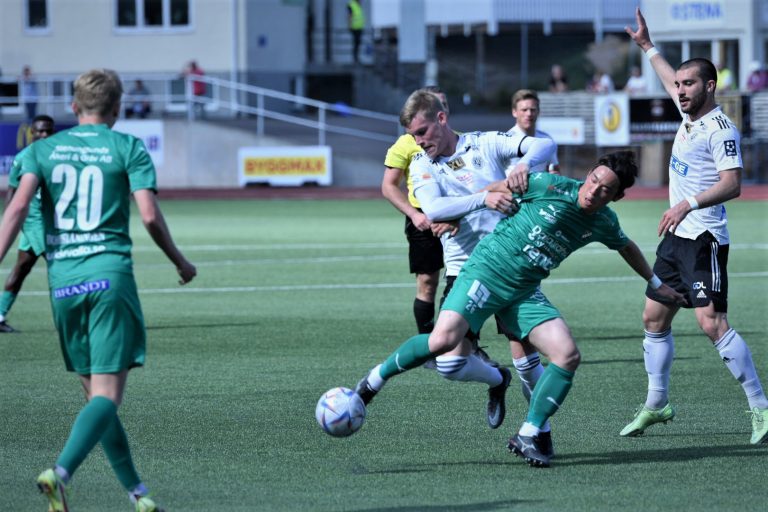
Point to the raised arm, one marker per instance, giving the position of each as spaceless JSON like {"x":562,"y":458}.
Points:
{"x":154,"y":221}
{"x":635,"y":259}
{"x":642,"y":38}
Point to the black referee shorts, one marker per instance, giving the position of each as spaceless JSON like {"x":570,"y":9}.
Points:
{"x":425,"y":252}
{"x":695,"y":268}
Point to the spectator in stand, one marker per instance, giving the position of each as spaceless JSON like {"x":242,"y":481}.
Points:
{"x":28,"y":92}
{"x":558,"y":82}
{"x":636,"y":83}
{"x":602,"y":82}
{"x":198,"y":86}
{"x":356,"y":18}
{"x":138,"y":101}
{"x":758,"y":77}
{"x":724,"y":78}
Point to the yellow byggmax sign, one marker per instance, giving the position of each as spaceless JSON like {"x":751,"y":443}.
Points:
{"x":285,"y":166}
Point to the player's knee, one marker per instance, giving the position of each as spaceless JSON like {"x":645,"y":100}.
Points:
{"x":443,"y":340}
{"x":568,"y":358}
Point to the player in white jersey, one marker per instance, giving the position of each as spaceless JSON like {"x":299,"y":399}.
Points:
{"x":526,"y":110}
{"x":705,"y":172}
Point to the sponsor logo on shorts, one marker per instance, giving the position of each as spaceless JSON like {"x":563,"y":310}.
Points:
{"x":81,"y":289}
{"x":701,"y":295}
{"x":478,"y":295}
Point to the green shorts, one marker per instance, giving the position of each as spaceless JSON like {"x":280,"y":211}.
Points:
{"x":32,"y":239}
{"x":521,"y":311}
{"x":100,"y":324}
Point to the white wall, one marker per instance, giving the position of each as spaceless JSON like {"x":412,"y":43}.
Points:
{"x":82,"y":36}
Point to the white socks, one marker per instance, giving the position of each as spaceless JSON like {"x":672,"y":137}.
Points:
{"x":737,"y":357}
{"x":530,"y":370}
{"x":470,"y":368}
{"x":658,"y":352}
{"x":374,"y":378}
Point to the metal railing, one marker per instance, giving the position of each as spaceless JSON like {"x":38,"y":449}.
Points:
{"x":172,"y":94}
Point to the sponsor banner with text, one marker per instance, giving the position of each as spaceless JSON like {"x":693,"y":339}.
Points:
{"x":285,"y":166}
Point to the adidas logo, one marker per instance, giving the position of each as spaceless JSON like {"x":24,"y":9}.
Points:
{"x":701,"y":295}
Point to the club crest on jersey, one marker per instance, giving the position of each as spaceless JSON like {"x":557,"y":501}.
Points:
{"x":678,"y":166}
{"x":456,"y":164}
{"x":730,"y":147}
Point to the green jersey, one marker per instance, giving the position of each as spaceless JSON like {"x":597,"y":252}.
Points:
{"x":34,"y":217}
{"x":550,"y":225}
{"x":87,"y":174}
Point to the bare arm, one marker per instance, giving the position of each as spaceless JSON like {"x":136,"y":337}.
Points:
{"x":390,"y":189}
{"x":154,"y":221}
{"x":16,"y":211}
{"x":635,"y":259}
{"x":729,"y":187}
{"x":9,"y":195}
{"x":642,"y":38}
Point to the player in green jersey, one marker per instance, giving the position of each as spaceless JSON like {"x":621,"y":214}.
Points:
{"x":32,"y":243}
{"x":87,"y":175}
{"x":557,"y":216}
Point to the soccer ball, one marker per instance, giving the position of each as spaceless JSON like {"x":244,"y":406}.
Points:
{"x":340,"y":412}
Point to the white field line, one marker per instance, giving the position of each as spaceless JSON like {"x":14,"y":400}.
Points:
{"x":372,"y":245}
{"x":372,"y":286}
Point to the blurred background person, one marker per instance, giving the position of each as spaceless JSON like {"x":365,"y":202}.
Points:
{"x":28,"y":92}
{"x":636,"y":83}
{"x":558,"y":82}
{"x":725,"y":80}
{"x":138,"y":101}
{"x":758,"y":77}
{"x":356,"y":26}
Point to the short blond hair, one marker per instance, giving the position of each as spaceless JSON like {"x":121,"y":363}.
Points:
{"x":524,"y":94}
{"x":421,"y":101}
{"x":98,"y":91}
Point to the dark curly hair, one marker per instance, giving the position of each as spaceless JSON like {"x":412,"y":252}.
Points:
{"x":622,"y":163}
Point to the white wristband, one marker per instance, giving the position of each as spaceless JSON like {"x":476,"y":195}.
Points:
{"x":692,"y":201}
{"x":651,"y":52}
{"x":654,"y":282}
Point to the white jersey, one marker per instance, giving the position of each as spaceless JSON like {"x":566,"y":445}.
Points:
{"x":480,"y":159}
{"x":701,"y":150}
{"x":545,"y":167}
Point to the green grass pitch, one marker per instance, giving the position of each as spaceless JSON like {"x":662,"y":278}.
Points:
{"x":296,"y":297}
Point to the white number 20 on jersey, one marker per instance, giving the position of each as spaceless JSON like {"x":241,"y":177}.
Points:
{"x":87,"y":190}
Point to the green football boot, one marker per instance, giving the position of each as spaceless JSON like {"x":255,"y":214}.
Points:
{"x":146,"y":504}
{"x":645,"y":417}
{"x":759,"y":425}
{"x":54,"y":489}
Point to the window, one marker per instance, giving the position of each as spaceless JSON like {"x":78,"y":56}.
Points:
{"x":36,"y":15}
{"x":142,"y":15}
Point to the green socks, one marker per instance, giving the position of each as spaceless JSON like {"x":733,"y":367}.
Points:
{"x":411,"y":354}
{"x":549,"y":394}
{"x":89,"y":427}
{"x":115,"y":445}
{"x":6,"y":301}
